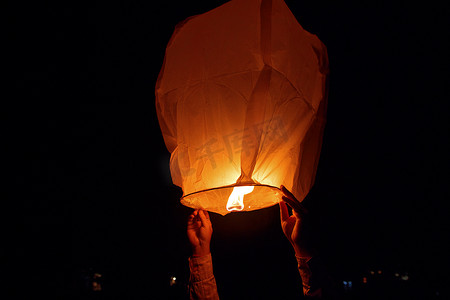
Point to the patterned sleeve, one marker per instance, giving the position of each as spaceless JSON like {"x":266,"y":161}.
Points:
{"x":316,"y":282}
{"x":202,"y":284}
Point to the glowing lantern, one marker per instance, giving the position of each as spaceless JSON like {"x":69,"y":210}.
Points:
{"x":241,"y":101}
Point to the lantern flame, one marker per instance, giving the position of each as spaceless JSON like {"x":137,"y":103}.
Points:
{"x":236,"y":199}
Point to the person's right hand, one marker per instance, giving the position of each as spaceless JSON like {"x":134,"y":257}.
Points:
{"x":199,"y":232}
{"x":296,"y":227}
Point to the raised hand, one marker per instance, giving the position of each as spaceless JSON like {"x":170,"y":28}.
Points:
{"x":296,"y":227}
{"x":199,"y":232}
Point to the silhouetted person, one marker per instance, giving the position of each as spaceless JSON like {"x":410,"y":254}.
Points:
{"x":202,"y":284}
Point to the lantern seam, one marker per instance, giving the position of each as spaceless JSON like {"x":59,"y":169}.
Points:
{"x":299,"y":91}
{"x":198,"y":81}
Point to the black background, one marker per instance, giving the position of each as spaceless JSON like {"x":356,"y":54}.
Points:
{"x":88,"y":175}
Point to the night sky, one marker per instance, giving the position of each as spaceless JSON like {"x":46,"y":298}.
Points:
{"x":88,"y":171}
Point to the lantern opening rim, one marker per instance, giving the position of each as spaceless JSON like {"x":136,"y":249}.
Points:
{"x":231,"y":186}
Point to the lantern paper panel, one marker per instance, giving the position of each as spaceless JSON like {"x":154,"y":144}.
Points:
{"x":241,"y":101}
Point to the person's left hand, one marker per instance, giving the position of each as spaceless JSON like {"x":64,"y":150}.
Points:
{"x":199,"y":232}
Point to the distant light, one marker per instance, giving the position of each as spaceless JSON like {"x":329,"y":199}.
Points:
{"x":405,"y":277}
{"x":379,"y":271}
{"x":347,"y":285}
{"x":372,"y":272}
{"x":173,"y":280}
{"x":396,"y":275}
{"x":364,"y":279}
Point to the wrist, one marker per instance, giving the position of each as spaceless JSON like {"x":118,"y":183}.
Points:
{"x":200,"y":251}
{"x":303,"y":253}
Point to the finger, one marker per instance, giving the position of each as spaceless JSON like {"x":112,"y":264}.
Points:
{"x":191,"y":222}
{"x":287,"y":193}
{"x":298,"y":207}
{"x":198,"y":217}
{"x":202,"y":216}
{"x":207,"y":214}
{"x":295,"y":205}
{"x":284,"y":213}
{"x":192,"y":215}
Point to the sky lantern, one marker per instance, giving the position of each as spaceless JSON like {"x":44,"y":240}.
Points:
{"x":241,"y":102}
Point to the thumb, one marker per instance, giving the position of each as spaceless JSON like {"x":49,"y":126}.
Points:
{"x":284,"y":213}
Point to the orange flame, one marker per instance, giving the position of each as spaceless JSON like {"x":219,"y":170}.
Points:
{"x":236,"y":199}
